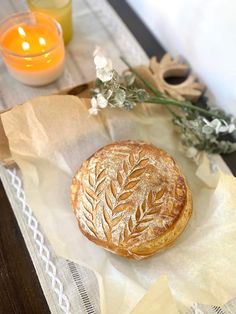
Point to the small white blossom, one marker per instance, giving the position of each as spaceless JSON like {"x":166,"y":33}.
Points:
{"x":100,"y":62}
{"x":217,"y":126}
{"x":120,"y":97}
{"x":102,"y":101}
{"x":104,"y":75}
{"x":96,"y":90}
{"x":207,"y":129}
{"x":94,"y":109}
{"x":231,"y":128}
{"x":94,"y":103}
{"x":223,"y":127}
{"x":191,"y":152}
{"x":103,"y":65}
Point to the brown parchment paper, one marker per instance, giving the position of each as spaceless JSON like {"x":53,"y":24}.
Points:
{"x":5,"y":154}
{"x":49,"y":137}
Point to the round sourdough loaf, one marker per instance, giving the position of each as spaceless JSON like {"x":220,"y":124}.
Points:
{"x":131,"y":198}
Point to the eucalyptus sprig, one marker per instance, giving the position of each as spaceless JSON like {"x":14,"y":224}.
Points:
{"x":200,"y":129}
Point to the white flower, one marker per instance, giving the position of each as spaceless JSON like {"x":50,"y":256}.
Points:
{"x":207,"y":129}
{"x":104,"y":75}
{"x":100,"y":62}
{"x":103,"y":65}
{"x":229,"y":128}
{"x":94,"y":103}
{"x":214,"y":126}
{"x":101,"y":101}
{"x":96,"y":90}
{"x":120,"y":97}
{"x":191,"y":152}
{"x":217,"y":126}
{"x":232,"y":128}
{"x":94,"y":109}
{"x":223,"y":128}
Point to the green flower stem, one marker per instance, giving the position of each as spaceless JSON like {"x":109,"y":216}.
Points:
{"x":172,"y":102}
{"x":161,"y":99}
{"x":149,"y":85}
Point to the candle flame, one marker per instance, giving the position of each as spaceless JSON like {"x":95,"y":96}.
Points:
{"x":25,"y":45}
{"x":42,"y":41}
{"x":21,"y":31}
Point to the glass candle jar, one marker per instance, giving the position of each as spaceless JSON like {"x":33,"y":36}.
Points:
{"x":61,"y":10}
{"x":32,"y":47}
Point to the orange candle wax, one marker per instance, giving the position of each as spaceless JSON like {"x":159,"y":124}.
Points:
{"x":33,"y":48}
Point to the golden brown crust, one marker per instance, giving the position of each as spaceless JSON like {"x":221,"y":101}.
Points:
{"x":131,"y":198}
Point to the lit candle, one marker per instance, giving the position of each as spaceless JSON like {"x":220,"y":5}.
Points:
{"x":61,"y":10}
{"x":32,"y":48}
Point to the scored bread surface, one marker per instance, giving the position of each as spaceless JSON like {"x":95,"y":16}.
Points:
{"x":131,"y":198}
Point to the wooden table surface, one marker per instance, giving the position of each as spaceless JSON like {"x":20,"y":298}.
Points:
{"x":20,"y":291}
